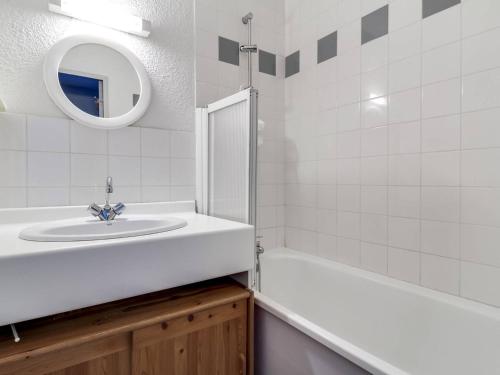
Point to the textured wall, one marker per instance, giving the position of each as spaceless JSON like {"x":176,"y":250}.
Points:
{"x":28,"y":30}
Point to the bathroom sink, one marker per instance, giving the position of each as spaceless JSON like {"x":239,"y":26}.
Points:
{"x":84,"y":229}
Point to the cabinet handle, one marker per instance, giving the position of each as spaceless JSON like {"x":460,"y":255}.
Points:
{"x":243,"y":359}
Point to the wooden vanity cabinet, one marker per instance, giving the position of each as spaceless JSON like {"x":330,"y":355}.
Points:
{"x":201,"y":329}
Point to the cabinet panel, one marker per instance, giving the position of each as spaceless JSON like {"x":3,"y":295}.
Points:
{"x":212,"y":342}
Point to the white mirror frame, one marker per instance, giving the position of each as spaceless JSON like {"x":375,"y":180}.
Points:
{"x":51,"y":77}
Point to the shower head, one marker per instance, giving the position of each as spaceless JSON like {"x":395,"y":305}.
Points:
{"x":247,"y":18}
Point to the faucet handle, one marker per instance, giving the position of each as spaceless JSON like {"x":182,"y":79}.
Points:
{"x":119,"y":208}
{"x":95,"y":210}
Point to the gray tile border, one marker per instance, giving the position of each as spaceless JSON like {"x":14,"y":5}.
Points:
{"x":375,"y":24}
{"x":267,"y":62}
{"x":292,"y":64}
{"x":430,"y":7}
{"x":229,"y":51}
{"x":327,"y":47}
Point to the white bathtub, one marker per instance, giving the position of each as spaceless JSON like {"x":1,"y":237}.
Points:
{"x":382,"y":325}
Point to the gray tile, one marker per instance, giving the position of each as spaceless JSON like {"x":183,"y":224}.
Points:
{"x":267,"y":62}
{"x":430,"y":7}
{"x":229,"y":51}
{"x":292,"y":64}
{"x":327,"y":47}
{"x":375,"y":24}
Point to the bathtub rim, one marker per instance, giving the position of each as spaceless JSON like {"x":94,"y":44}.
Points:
{"x":359,"y":356}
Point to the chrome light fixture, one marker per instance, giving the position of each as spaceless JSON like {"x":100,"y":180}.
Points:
{"x":96,"y":12}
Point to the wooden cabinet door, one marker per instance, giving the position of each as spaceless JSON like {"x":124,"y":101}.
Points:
{"x":209,"y":342}
{"x":109,"y":356}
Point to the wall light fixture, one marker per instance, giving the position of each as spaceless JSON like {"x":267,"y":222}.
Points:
{"x":105,"y":15}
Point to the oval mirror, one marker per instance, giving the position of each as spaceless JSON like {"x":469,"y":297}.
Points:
{"x":97,"y":82}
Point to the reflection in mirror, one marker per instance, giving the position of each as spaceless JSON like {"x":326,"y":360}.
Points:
{"x":99,"y":80}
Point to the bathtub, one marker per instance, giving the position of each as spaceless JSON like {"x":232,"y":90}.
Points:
{"x":377,"y":324}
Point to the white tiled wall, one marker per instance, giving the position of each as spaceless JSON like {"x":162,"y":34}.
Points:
{"x":393,"y":147}
{"x":216,"y":79}
{"x":53,"y":162}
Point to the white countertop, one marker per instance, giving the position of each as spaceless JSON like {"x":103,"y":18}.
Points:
{"x":43,"y":278}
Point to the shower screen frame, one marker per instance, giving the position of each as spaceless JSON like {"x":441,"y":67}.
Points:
{"x":248,"y":97}
{"x":205,"y":144}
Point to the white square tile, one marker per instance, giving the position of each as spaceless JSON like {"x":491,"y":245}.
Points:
{"x":87,"y":140}
{"x":182,"y":144}
{"x":327,"y":96}
{"x":441,"y":28}
{"x":327,"y":196}
{"x":404,"y":201}
{"x":479,"y":244}
{"x":404,"y":106}
{"x":349,"y":37}
{"x":349,"y":251}
{"x":155,"y":171}
{"x":374,"y":112}
{"x":440,"y":238}
{"x":12,"y":131}
{"x":349,"y":144}
{"x":155,"y":193}
{"x":83,"y":196}
{"x":375,"y":54}
{"x":349,"y":63}
{"x":374,"y":257}
{"x":480,"y":91}
{"x":480,"y":167}
{"x":374,"y":170}
{"x":349,"y":198}
{"x":155,"y":143}
{"x":374,"y":83}
{"x":348,"y":224}
{"x":441,"y":64}
{"x":12,"y":197}
{"x":182,"y":172}
{"x":441,"y":99}
{"x":480,"y":129}
{"x":374,"y":228}
{"x":404,"y":138}
{"x":405,"y":42}
{"x":480,"y":206}
{"x":48,"y":134}
{"x":441,"y":134}
{"x":88,"y":170}
{"x":439,"y":273}
{"x":127,"y":194}
{"x":404,"y":233}
{"x":479,"y":16}
{"x":327,"y":246}
{"x":350,"y":89}
{"x":125,"y":170}
{"x":12,"y":168}
{"x":348,"y":171}
{"x":47,"y":169}
{"x":48,"y":197}
{"x":404,"y":74}
{"x":404,"y":265}
{"x":348,"y":10}
{"x":404,"y":169}
{"x":188,"y":193}
{"x":480,"y":283}
{"x":441,"y":168}
{"x":481,"y":52}
{"x":374,"y":200}
{"x":327,"y":146}
{"x":374,"y":141}
{"x":403,"y":13}
{"x":125,"y":141}
{"x":327,"y":222}
{"x":440,"y":203}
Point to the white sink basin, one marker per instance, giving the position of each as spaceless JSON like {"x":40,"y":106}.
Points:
{"x":84,"y":229}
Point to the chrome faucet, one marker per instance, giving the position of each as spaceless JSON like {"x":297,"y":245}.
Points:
{"x":107,"y":212}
